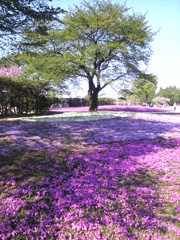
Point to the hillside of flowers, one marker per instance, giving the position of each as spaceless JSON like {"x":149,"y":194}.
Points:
{"x":112,"y":178}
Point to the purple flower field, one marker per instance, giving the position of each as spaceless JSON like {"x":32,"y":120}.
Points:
{"x":105,"y":179}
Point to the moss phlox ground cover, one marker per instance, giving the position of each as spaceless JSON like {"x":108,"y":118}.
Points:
{"x":105,"y":179}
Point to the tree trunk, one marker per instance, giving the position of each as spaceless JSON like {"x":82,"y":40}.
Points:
{"x":93,"y":102}
{"x":93,"y":97}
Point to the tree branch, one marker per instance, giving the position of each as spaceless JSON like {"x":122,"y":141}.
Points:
{"x":113,"y":80}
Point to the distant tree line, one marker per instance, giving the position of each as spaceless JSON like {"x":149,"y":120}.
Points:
{"x":145,"y":93}
{"x":79,"y":102}
{"x":171,"y":92}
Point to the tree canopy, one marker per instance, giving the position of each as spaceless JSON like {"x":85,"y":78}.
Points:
{"x":145,"y":85}
{"x":16,"y":16}
{"x":104,"y":43}
{"x":99,"y":41}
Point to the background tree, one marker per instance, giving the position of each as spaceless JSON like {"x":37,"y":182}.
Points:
{"x":99,"y":42}
{"x":171,"y":92}
{"x":145,"y":86}
{"x":19,"y":15}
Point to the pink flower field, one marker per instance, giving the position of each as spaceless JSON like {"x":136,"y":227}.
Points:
{"x":113,"y":178}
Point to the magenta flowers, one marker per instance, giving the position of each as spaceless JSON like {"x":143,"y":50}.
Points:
{"x":106,"y":179}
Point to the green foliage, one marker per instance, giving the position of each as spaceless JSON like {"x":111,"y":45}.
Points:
{"x":107,"y":101}
{"x":38,"y":68}
{"x":19,"y":15}
{"x":142,"y":90}
{"x":19,"y":95}
{"x":132,"y":98}
{"x":80,"y":102}
{"x":171,"y":92}
{"x":145,"y":85}
{"x":100,"y":41}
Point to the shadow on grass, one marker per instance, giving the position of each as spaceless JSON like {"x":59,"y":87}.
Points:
{"x":22,"y":136}
{"x":101,"y":191}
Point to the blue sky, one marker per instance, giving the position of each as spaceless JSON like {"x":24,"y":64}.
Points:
{"x":163,"y":15}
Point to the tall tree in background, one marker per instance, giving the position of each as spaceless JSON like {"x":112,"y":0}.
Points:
{"x":102,"y":43}
{"x":19,"y":15}
{"x":145,"y":85}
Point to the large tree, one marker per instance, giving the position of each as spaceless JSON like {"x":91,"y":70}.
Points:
{"x":99,"y":41}
{"x":19,"y":15}
{"x":103,"y":43}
